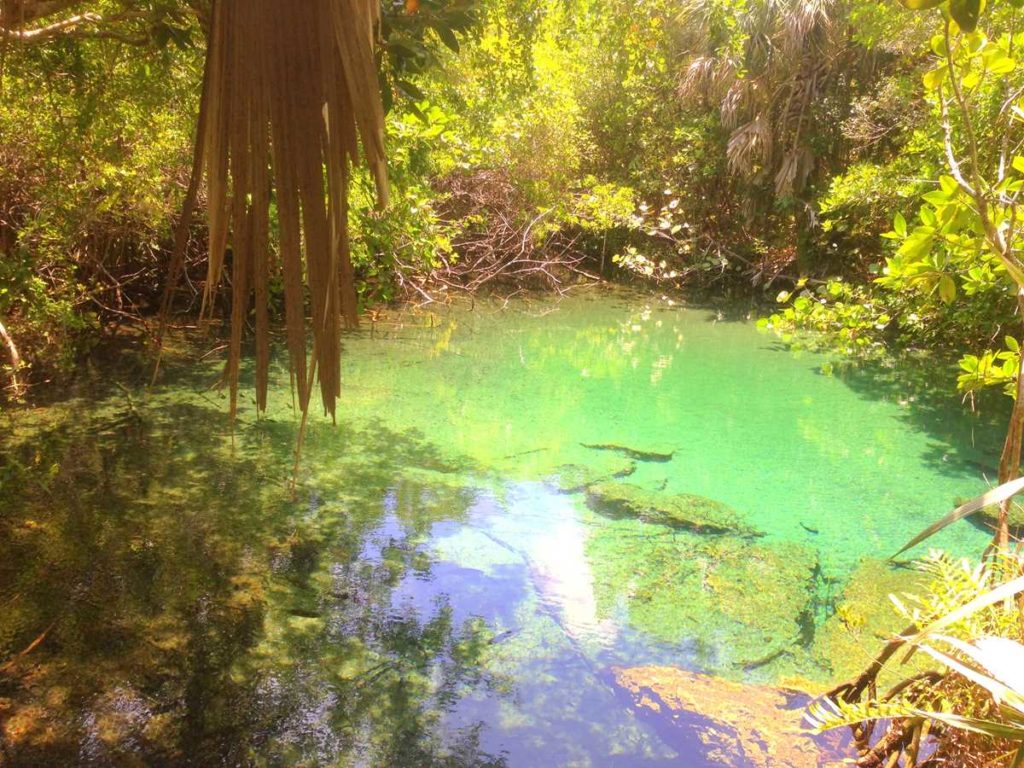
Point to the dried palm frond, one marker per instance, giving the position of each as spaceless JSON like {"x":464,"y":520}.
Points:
{"x":738,"y":102}
{"x":697,"y":77}
{"x":794,"y":171}
{"x":803,"y":19}
{"x":706,"y":77}
{"x":749,"y":146}
{"x":290,"y":92}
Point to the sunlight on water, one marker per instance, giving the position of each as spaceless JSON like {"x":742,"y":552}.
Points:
{"x":520,"y":500}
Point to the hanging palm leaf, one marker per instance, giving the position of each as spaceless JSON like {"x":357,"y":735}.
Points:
{"x":290,"y":93}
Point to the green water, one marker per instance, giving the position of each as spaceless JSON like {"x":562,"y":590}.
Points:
{"x":439,"y":590}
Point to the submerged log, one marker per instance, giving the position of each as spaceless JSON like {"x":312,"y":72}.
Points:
{"x":631,"y":453}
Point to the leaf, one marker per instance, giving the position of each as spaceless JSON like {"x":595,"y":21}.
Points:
{"x":971,"y":79}
{"x":447,"y":37}
{"x":936,"y":197}
{"x":918,"y":244}
{"x":997,"y":595}
{"x":934,"y":78}
{"x":410,"y":90}
{"x":1012,"y":344}
{"x":1018,"y":163}
{"x":985,"y":727}
{"x":999,"y":657}
{"x":997,"y":61}
{"x":921,"y":5}
{"x":947,"y":289}
{"x":994,"y":496}
{"x":965,"y":13}
{"x":899,"y":224}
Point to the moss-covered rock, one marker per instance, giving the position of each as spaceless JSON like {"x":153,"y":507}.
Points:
{"x":865,"y":619}
{"x":732,"y":606}
{"x":681,"y":510}
{"x":989,"y":517}
{"x":720,"y":722}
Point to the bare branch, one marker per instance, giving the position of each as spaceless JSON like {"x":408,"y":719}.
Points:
{"x":50,"y":30}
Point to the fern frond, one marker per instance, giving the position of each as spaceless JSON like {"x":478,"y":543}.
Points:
{"x":826,"y":714}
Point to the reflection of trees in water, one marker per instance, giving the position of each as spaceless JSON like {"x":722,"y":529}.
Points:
{"x":198,"y":614}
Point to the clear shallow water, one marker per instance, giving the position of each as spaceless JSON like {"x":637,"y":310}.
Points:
{"x":432,"y":595}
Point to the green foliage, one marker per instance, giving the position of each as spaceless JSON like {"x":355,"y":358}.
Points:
{"x":846,"y":315}
{"x":981,"y":693}
{"x":90,"y":179}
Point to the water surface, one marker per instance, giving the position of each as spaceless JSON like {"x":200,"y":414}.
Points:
{"x":438,"y":591}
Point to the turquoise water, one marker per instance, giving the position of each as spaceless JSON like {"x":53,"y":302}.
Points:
{"x":440,"y":589}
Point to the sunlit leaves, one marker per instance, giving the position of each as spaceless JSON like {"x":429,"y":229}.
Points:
{"x":992,"y":368}
{"x":934,"y":78}
{"x":899,"y":225}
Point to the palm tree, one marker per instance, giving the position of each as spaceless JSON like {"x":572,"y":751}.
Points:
{"x":774,"y":68}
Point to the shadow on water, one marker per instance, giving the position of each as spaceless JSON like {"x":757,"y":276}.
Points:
{"x":965,"y":439}
{"x":167,"y":600}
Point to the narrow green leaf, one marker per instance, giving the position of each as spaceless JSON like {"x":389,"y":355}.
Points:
{"x":995,"y":496}
{"x":975,"y":725}
{"x":997,"y":595}
{"x":447,"y":37}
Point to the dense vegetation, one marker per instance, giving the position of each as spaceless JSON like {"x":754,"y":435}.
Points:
{"x":856,"y":164}
{"x":731,"y":146}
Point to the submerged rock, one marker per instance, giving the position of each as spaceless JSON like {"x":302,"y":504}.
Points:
{"x":681,"y":510}
{"x":710,"y":720}
{"x":661,"y":455}
{"x":989,"y":517}
{"x":729,"y":605}
{"x":573,"y":478}
{"x":865,"y":619}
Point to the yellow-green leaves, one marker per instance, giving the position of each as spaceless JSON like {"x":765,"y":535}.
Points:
{"x":996,"y":60}
{"x":947,"y":289}
{"x":921,"y":5}
{"x":899,"y":225}
{"x":992,"y":368}
{"x":934,"y":78}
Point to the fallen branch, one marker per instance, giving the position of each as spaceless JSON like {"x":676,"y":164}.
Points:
{"x":6,"y":667}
